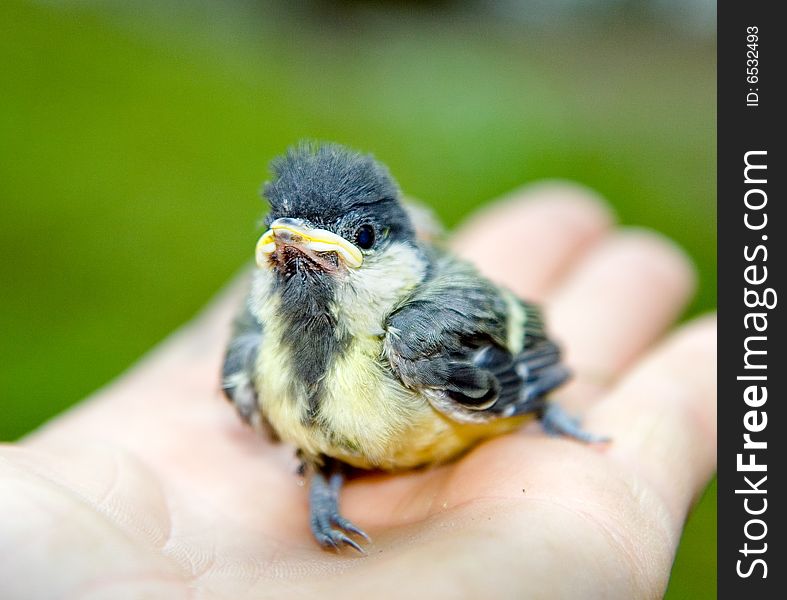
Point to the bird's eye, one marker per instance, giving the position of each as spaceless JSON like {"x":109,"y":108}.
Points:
{"x":364,"y":237}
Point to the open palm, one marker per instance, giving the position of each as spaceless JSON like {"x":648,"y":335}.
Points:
{"x":154,"y":488}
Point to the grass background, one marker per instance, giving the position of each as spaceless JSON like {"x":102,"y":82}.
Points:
{"x":134,"y":138}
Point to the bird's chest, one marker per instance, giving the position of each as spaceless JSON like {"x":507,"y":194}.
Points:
{"x":359,"y":413}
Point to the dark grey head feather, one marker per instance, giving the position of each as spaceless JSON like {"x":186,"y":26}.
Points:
{"x":335,"y":188}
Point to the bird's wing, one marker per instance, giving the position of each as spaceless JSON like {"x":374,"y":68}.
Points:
{"x":476,"y":350}
{"x":239,"y":365}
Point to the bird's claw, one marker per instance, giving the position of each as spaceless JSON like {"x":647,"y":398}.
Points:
{"x":329,"y":537}
{"x":340,"y":521}
{"x":336,"y":539}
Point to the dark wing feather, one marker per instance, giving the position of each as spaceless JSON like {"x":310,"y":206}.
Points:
{"x":240,"y":363}
{"x":460,"y":338}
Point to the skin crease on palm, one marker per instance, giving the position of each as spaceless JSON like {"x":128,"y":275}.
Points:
{"x":154,"y":488}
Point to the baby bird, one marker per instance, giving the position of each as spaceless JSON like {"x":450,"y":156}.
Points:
{"x":365,"y":346}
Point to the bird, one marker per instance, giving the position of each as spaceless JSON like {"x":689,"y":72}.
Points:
{"x":367,"y":345}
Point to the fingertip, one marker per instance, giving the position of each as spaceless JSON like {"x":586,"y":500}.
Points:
{"x":570,"y":197}
{"x":619,"y":298}
{"x":527,"y":239}
{"x":664,"y":257}
{"x":698,"y":334}
{"x":561,"y":201}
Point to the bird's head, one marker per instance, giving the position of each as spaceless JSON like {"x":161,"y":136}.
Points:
{"x":337,"y":234}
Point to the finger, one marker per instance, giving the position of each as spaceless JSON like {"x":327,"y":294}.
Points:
{"x":528,"y":240}
{"x":662,"y":416}
{"x":616,"y":302}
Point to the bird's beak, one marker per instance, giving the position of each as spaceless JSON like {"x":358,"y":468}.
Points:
{"x":294,"y":232}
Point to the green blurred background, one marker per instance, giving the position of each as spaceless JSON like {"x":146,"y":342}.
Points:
{"x":134,"y":138}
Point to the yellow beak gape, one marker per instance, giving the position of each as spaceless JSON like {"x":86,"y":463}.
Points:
{"x":317,"y":240}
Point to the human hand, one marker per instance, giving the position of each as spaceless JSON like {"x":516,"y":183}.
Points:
{"x":154,"y":486}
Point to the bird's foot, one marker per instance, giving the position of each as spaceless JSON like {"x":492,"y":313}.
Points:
{"x":556,"y":421}
{"x":328,"y":526}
